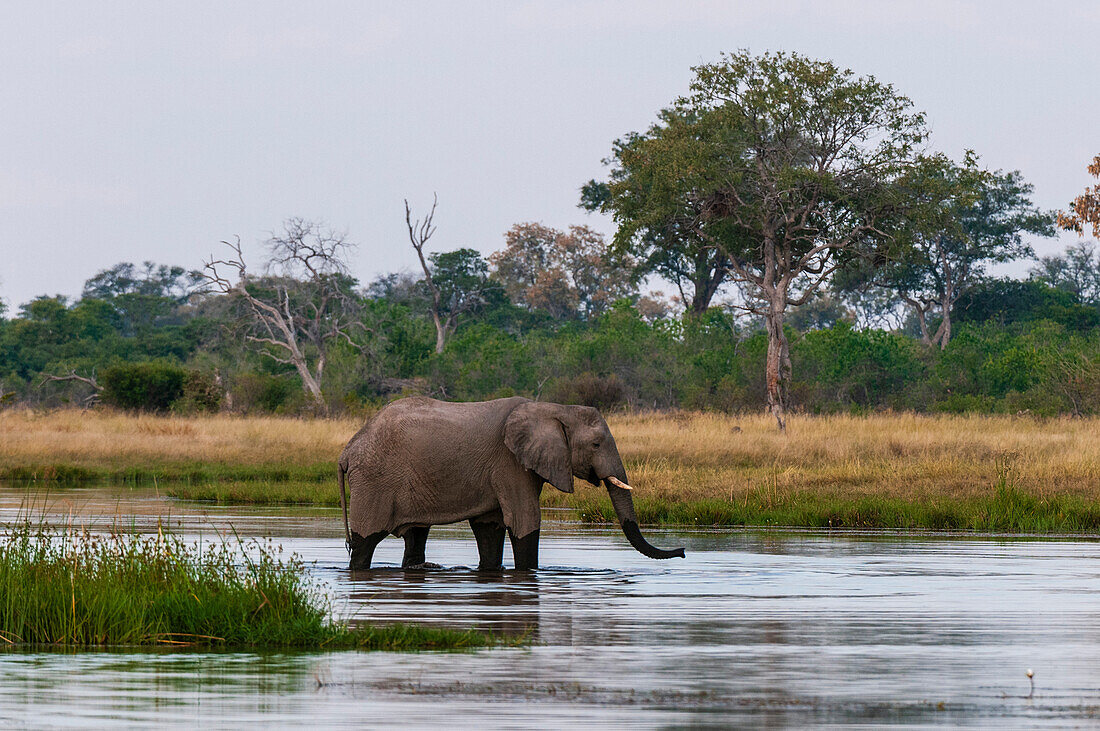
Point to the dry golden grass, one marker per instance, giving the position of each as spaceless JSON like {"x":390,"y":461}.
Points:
{"x":698,"y":456}
{"x":682,"y":456}
{"x":109,"y":440}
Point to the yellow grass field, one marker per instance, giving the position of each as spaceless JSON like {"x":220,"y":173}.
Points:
{"x":679,"y":456}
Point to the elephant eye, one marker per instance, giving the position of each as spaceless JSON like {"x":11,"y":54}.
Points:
{"x":595,"y":445}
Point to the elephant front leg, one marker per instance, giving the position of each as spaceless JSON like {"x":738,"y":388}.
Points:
{"x":525,"y":551}
{"x":490,"y":545}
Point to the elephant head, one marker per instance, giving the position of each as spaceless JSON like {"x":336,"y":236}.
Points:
{"x":559,"y":443}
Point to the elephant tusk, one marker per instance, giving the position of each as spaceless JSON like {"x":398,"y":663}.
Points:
{"x":619,"y":483}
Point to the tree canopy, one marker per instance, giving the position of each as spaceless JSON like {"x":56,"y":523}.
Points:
{"x":780,"y":166}
{"x":962,"y":219}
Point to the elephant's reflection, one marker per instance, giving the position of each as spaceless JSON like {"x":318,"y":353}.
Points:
{"x":505,"y":602}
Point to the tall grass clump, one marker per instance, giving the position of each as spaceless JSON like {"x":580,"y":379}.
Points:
{"x":81,"y":589}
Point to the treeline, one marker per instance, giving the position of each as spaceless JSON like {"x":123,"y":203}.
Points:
{"x":822,"y":258}
{"x":138,"y":339}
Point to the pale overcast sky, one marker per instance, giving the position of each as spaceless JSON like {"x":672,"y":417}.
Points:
{"x":152,"y":130}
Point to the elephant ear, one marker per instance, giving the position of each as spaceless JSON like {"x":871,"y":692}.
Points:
{"x":537,"y":438}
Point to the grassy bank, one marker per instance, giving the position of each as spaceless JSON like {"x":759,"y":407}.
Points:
{"x":73,"y":447}
{"x":881,"y":471}
{"x":1003,"y":510}
{"x":77,"y":589}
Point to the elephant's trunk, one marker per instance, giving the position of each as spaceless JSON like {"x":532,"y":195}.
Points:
{"x":624,"y":509}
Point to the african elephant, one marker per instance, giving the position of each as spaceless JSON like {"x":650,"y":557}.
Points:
{"x":421,"y":462}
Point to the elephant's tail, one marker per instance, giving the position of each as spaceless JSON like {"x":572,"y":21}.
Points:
{"x":340,"y":474}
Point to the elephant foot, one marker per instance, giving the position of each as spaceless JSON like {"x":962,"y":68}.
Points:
{"x":490,"y":567}
{"x":421,"y":566}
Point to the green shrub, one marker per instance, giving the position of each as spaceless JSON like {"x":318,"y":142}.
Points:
{"x":589,"y":389}
{"x":201,"y":393}
{"x":150,"y":386}
{"x":263,"y":392}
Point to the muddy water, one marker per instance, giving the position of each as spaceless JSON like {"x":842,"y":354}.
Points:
{"x":779,"y":629}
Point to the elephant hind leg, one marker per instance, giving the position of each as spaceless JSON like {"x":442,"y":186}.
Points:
{"x":490,"y":545}
{"x":362,"y":549}
{"x":416,"y":538}
{"x":525,"y":551}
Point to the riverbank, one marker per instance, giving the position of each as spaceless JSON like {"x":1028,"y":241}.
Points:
{"x":882,"y":471}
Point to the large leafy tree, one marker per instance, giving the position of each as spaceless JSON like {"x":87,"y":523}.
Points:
{"x":567,"y":274}
{"x":658,"y":209}
{"x":785,"y":167}
{"x":143,"y":296}
{"x":963,"y":219}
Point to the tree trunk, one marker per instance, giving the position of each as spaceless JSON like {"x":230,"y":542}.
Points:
{"x":777,"y":371}
{"x":922,"y":320}
{"x":310,"y":384}
{"x":440,"y":332}
{"x":945,"y":328}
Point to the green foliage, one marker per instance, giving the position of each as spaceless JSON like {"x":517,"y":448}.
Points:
{"x":1076,"y":270}
{"x":483,"y":362}
{"x":263,"y":392}
{"x":960,"y":220}
{"x":845,"y":368}
{"x":1008,"y":301}
{"x":201,"y":393}
{"x":149,"y":386}
{"x":462,"y":277}
{"x":80,"y":589}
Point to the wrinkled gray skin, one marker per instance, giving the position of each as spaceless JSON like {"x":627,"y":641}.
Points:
{"x":421,"y":462}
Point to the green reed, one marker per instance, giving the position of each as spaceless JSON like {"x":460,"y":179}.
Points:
{"x":70,"y":587}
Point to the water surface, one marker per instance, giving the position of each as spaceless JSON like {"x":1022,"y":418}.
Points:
{"x":792,"y":628}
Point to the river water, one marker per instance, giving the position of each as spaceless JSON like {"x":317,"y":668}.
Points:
{"x":752,"y":629}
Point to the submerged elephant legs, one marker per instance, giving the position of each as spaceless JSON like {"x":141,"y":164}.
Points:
{"x":362,"y":548}
{"x":490,"y":548}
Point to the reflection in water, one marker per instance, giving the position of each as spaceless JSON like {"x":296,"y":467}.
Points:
{"x":505,"y":602}
{"x":776,"y":629}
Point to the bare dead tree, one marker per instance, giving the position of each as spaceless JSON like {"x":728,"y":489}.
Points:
{"x":88,"y":400}
{"x":420,"y":231}
{"x":303,"y":303}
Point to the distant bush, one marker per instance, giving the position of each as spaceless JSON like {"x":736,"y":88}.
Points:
{"x":263,"y":392}
{"x":201,"y":393}
{"x":149,"y":386}
{"x":841,"y":368}
{"x":589,"y":389}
